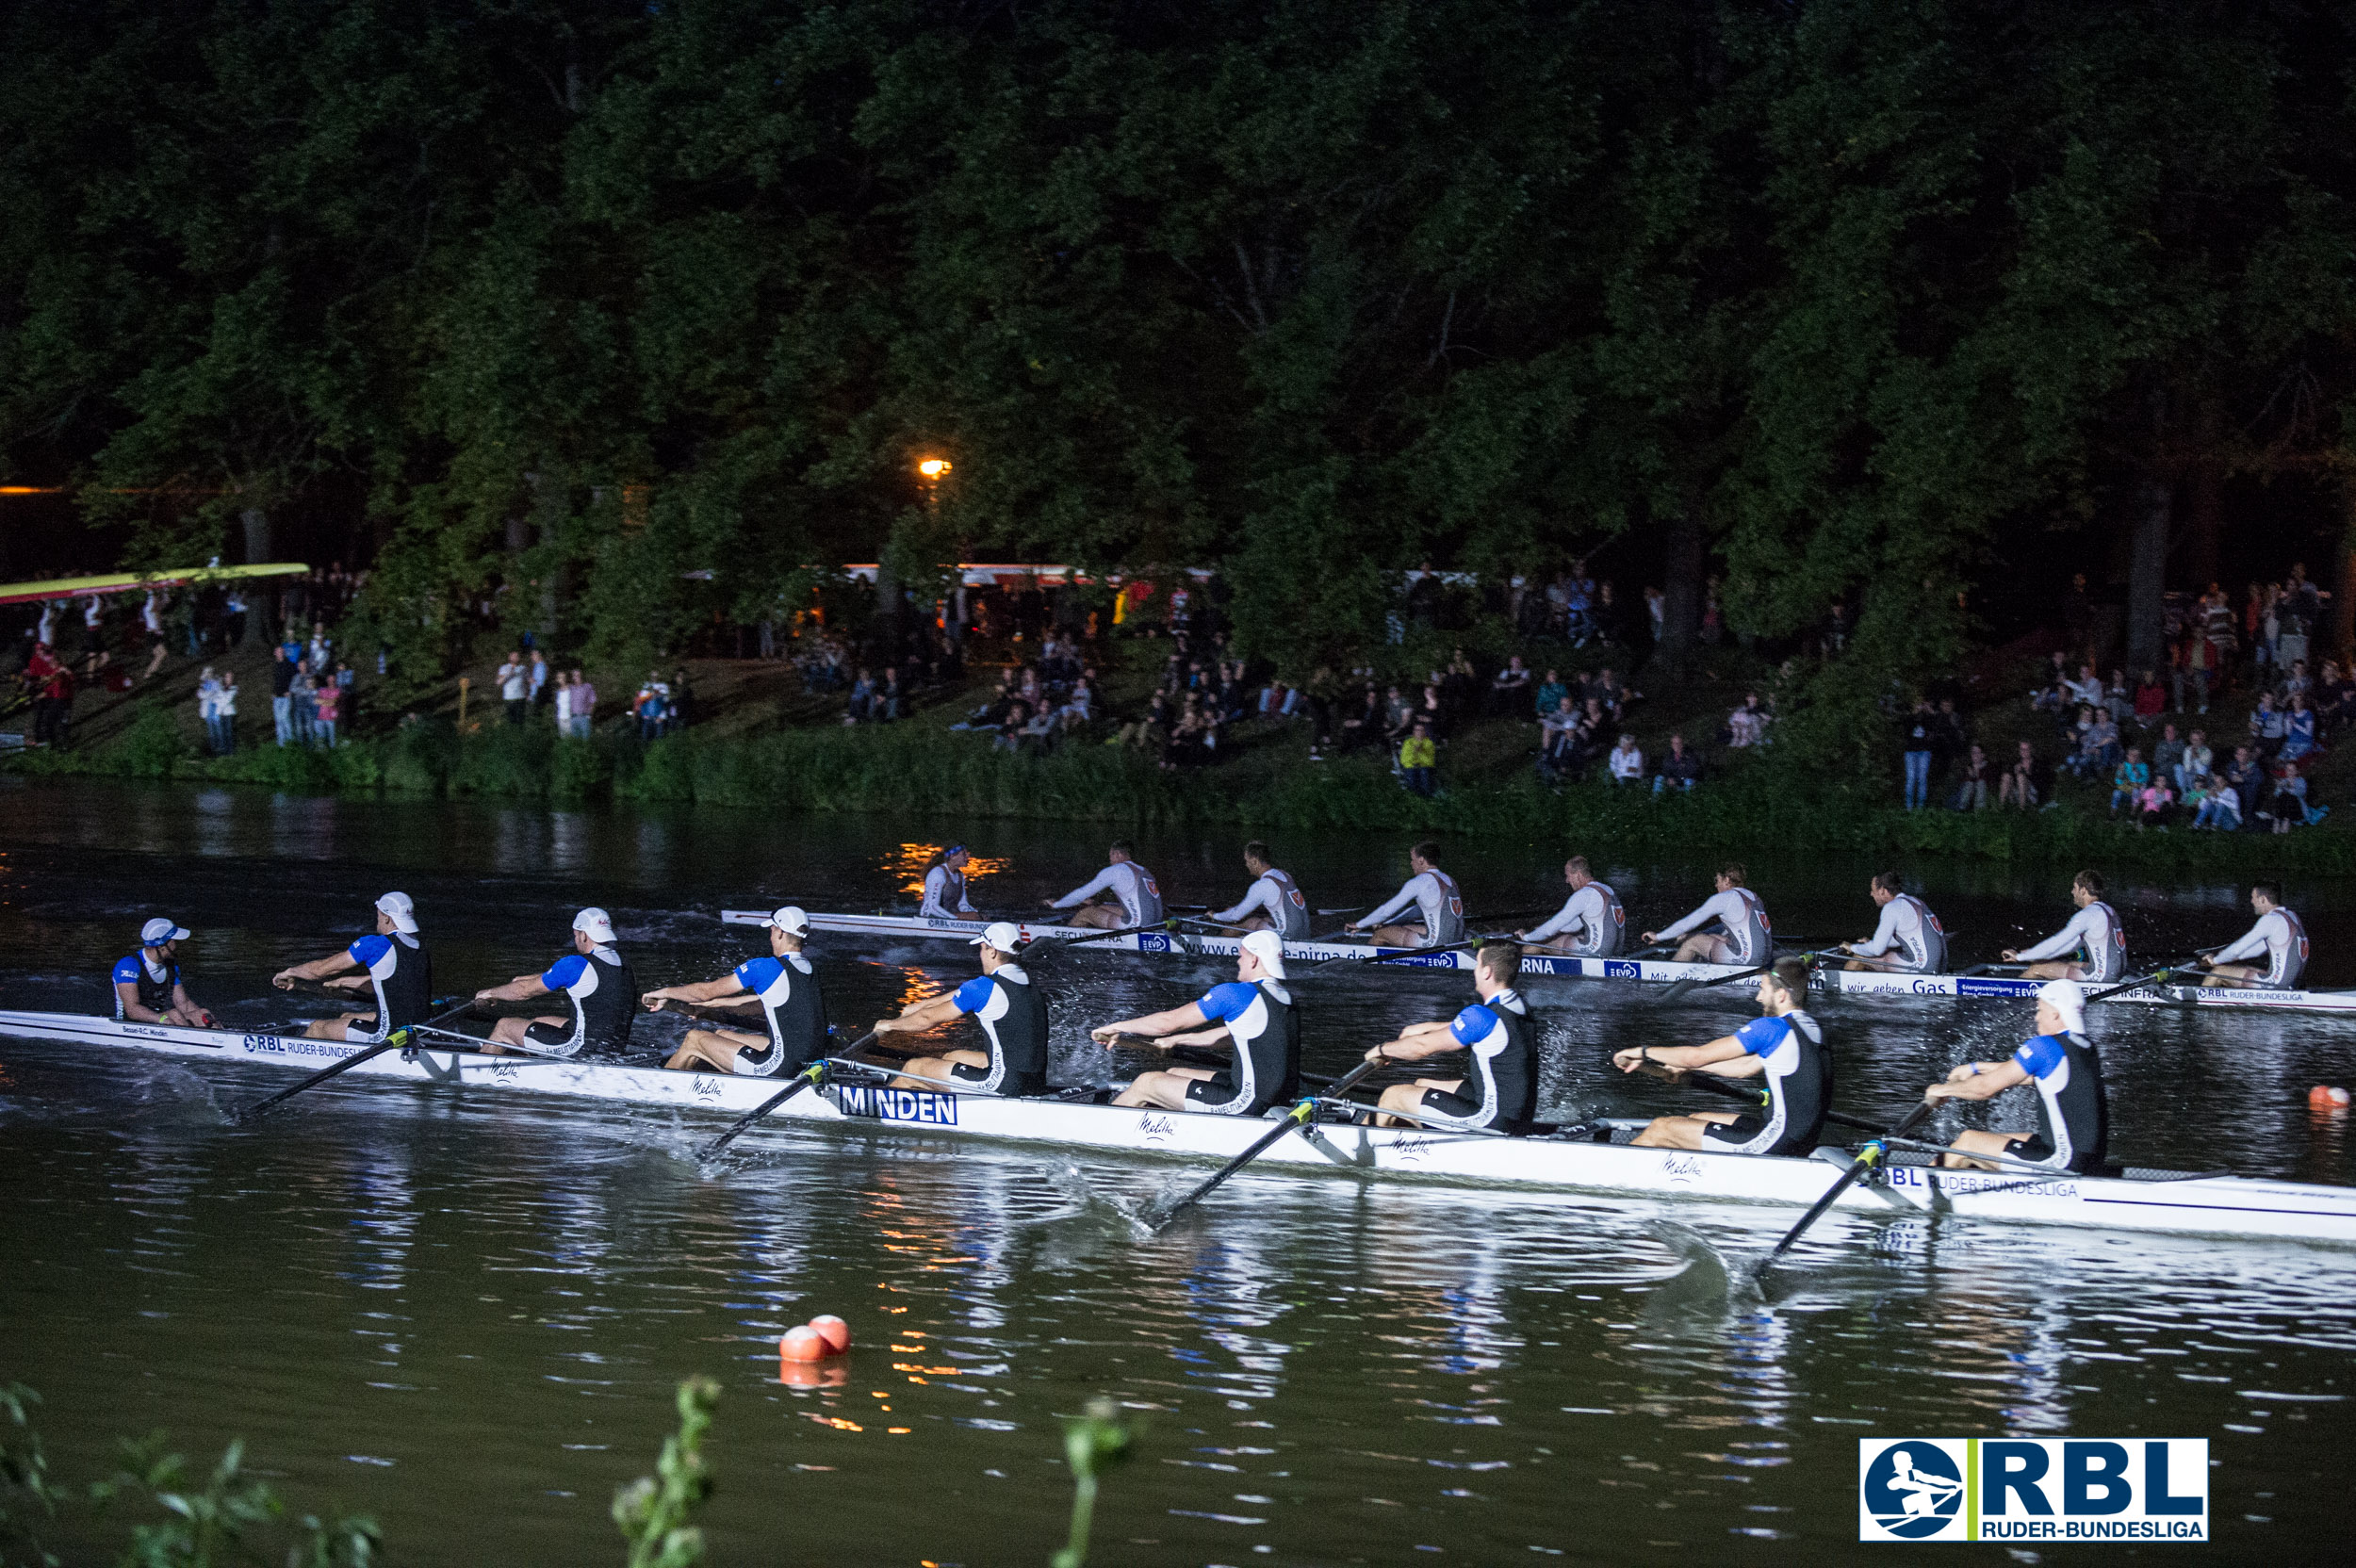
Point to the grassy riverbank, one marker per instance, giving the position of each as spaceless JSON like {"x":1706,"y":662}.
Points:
{"x":921,"y":768}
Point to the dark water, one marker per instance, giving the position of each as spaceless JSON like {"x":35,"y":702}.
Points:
{"x":466,"y":1314}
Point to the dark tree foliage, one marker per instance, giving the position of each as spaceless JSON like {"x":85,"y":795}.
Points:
{"x":1852,"y":299}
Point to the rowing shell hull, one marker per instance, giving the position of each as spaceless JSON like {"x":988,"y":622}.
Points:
{"x":2222,"y":1206}
{"x":1643,"y":971}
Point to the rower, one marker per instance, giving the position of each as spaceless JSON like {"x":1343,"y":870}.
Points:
{"x":594,"y":979}
{"x":945,"y":885}
{"x":1254,"y":1012}
{"x":2279,"y":934}
{"x":1136,"y":900}
{"x":1784,"y":1044}
{"x":1273,"y":902}
{"x":147,"y":983}
{"x":2073,"y":1114}
{"x":1590,"y":921}
{"x":1747,"y":937}
{"x":1908,"y":940}
{"x":789,"y":1000}
{"x":1439,"y":917}
{"x":1013,"y":1015}
{"x":2094,"y":931}
{"x":1503,"y":1082}
{"x":391,"y":961}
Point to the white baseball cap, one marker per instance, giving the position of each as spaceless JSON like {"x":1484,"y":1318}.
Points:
{"x":2068,"y":999}
{"x":397,"y":909}
{"x":999,"y":934}
{"x":162,"y":930}
{"x":596,"y":923}
{"x":788,"y":919}
{"x":1268,"y":948}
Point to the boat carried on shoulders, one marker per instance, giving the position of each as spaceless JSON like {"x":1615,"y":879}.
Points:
{"x":1174,"y":941}
{"x":1568,"y":1160}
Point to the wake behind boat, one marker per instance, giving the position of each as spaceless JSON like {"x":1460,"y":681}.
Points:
{"x":2152,"y":1202}
{"x":1172,"y":940}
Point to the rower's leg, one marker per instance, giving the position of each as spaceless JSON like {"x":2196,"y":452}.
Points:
{"x":1164,"y":1089}
{"x":510,"y":1032}
{"x":707,"y":1048}
{"x":1680,"y":1131}
{"x":1099,"y":917}
{"x":1700,"y":948}
{"x":1409,"y":1098}
{"x":2055,"y":969}
{"x":937,"y":1069}
{"x":1972,"y":1143}
{"x":1397,"y":936}
{"x":2226,"y":973}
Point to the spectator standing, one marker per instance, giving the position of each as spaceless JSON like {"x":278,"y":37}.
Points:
{"x":515,"y":683}
{"x":562,"y":701}
{"x":209,"y":708}
{"x":1680,"y":769}
{"x":328,"y":698}
{"x":585,"y":704}
{"x":225,"y":713}
{"x":539,"y":690}
{"x":1628,"y":762}
{"x":1919,"y":729}
{"x":1419,"y":758}
{"x":281,"y":676}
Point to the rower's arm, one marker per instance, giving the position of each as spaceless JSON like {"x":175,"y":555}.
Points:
{"x":1416,"y":1041}
{"x":932,"y":1012}
{"x":1671,"y":933}
{"x":1564,"y":920}
{"x":1101,"y":882}
{"x":317,"y":969}
{"x":2067,"y":940}
{"x":1978,"y":1081}
{"x":128,"y":994}
{"x":1714,"y":1056}
{"x":1169,"y":1022}
{"x":1399,"y":901}
{"x":1252,"y":899}
{"x":1884,"y":934}
{"x":725,"y":988}
{"x":2249,"y":946}
{"x":522,"y":989}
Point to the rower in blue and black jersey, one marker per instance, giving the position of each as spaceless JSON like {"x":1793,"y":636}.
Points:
{"x":2074,"y":1113}
{"x":1500,"y":1089}
{"x":1783,"y":1047}
{"x":1253,"y":1013}
{"x":592,"y":978}
{"x":786,"y":989}
{"x":147,"y":984}
{"x":1013,"y":1017}
{"x":392,"y":964}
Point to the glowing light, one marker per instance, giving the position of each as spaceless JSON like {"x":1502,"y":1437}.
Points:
{"x":933,"y":467}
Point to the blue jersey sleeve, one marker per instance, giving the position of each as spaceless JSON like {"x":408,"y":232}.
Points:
{"x":1473,"y":1024}
{"x":974,"y":995}
{"x":2040,"y":1056}
{"x":1222,"y":1003}
{"x":1762,"y":1035}
{"x":757,"y":974}
{"x":128,"y":971}
{"x":563,"y":972}
{"x":368,"y":949}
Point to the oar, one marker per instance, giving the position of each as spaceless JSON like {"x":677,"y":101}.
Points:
{"x":1686,"y":987}
{"x":809,"y":1077}
{"x":1394,"y":958}
{"x":1867,"y":1158}
{"x":1295,"y":1118}
{"x":1985,"y":969}
{"x":1051,"y":944}
{"x":393,"y":1041}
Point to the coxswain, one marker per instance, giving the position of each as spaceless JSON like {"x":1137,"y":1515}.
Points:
{"x":1500,"y":1091}
{"x":944,"y":887}
{"x":1438,"y":919}
{"x":1272,"y":903}
{"x":1590,"y":920}
{"x":1012,"y":1012}
{"x":592,"y":978}
{"x":2073,"y":1114}
{"x":787,"y":989}
{"x":391,"y":961}
{"x":1254,"y":1012}
{"x":2279,"y":934}
{"x":2093,"y":932}
{"x":1135,"y":899}
{"x":1746,"y":937}
{"x":1784,"y":1045}
{"x":1909,"y":939}
{"x":147,"y":983}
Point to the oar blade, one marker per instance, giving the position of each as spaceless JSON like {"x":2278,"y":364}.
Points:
{"x":1869,"y":1159}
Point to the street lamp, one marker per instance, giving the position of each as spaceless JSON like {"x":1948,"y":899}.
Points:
{"x":932,"y":468}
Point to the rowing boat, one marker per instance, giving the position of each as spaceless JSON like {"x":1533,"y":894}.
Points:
{"x":1185,"y":945}
{"x":2229,"y":1207}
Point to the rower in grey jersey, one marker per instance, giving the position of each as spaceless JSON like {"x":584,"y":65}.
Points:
{"x":2093,"y":933}
{"x":1136,"y":899}
{"x":1908,"y":940}
{"x":1273,"y":902}
{"x":944,"y":887}
{"x":1438,"y":917}
{"x":1747,"y":938}
{"x":2280,"y":935}
{"x":1590,"y":920}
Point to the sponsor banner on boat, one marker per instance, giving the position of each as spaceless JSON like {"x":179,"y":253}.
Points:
{"x":2054,"y":1488}
{"x":883,"y":1104}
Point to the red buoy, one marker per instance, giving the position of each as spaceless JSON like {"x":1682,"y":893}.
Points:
{"x":836,"y":1332}
{"x":802,"y":1344}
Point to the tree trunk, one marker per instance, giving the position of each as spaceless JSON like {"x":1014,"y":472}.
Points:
{"x":2204,"y":508}
{"x":1687,"y":552}
{"x":261,"y":616}
{"x":2344,"y":591}
{"x":2147,"y":574}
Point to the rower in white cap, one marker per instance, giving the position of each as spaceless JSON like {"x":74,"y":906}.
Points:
{"x":594,"y":979}
{"x":391,"y":961}
{"x":787,"y":989}
{"x":1011,"y":1011}
{"x":2073,"y":1114}
{"x":147,"y":983}
{"x":1254,"y":1012}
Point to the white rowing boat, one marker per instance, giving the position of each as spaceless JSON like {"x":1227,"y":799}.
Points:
{"x":2231,"y":1207}
{"x":1182,"y":944}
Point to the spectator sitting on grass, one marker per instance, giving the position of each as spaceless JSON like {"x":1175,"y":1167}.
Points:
{"x":2152,"y":804}
{"x":2084,"y":753}
{"x":1972,"y":788}
{"x":1558,"y":743}
{"x":2298,"y":729}
{"x":1419,"y":760}
{"x":2265,"y":725}
{"x":2024,"y":783}
{"x":2168,"y":757}
{"x":2220,"y":806}
{"x":1628,"y":764}
{"x":2197,"y":762}
{"x":2150,"y":699}
{"x":1009,"y":736}
{"x":1510,"y":681}
{"x":1550,"y":693}
{"x":2287,"y":807}
{"x":1679,"y":770}
{"x":2133,"y":776}
{"x":1747,"y":725}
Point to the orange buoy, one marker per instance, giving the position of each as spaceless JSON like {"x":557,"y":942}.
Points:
{"x":2336,"y":1095}
{"x":802,"y":1344}
{"x":836,"y":1332}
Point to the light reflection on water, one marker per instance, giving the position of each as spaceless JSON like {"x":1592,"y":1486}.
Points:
{"x":466,"y":1314}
